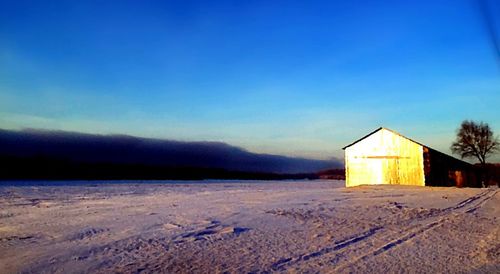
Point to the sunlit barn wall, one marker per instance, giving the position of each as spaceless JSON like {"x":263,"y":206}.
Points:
{"x":384,"y":157}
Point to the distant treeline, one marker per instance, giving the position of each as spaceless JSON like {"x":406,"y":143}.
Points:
{"x":35,"y":154}
{"x":335,"y":174}
{"x":42,"y":168}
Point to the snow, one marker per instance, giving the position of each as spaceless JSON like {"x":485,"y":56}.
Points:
{"x":242,"y":227}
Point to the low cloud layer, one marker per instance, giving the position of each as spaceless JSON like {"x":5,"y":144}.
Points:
{"x":123,"y":149}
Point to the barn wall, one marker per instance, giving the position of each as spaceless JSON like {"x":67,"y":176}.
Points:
{"x":443,"y":170}
{"x":384,"y":158}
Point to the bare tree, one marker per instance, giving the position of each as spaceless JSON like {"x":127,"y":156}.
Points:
{"x":475,"y":140}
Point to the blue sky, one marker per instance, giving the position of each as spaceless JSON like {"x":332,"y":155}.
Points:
{"x":300,"y":78}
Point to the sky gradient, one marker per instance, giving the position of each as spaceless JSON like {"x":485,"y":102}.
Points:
{"x":283,"y":77}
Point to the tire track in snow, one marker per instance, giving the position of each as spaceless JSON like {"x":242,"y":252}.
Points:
{"x":471,"y":199}
{"x":467,"y":206}
{"x":281,"y":264}
{"x":481,"y":203}
{"x":340,"y":247}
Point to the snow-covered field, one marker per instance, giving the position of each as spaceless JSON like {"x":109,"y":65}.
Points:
{"x":242,"y":227}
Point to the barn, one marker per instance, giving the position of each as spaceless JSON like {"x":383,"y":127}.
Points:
{"x":387,"y":157}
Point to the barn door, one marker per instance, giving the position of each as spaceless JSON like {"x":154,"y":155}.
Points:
{"x":391,"y":171}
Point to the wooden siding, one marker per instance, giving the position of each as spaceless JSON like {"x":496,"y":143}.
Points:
{"x":384,"y":158}
{"x":443,"y":170}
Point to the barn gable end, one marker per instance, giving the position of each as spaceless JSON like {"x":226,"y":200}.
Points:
{"x":384,"y":157}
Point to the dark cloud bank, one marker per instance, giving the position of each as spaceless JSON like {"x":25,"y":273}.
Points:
{"x":44,"y":154}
